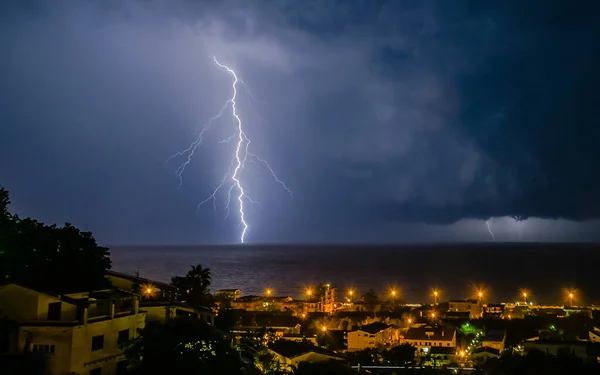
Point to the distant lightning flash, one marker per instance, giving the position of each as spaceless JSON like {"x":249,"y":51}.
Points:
{"x":489,"y":228}
{"x":231,"y":180}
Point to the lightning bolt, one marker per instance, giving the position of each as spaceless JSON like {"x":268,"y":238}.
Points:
{"x":232,"y":179}
{"x":489,"y":228}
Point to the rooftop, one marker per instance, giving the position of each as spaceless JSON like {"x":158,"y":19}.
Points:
{"x":374,"y":327}
{"x":292,"y":349}
{"x":494,"y":335}
{"x":430,"y":333}
{"x":487,"y":349}
{"x":141,"y":280}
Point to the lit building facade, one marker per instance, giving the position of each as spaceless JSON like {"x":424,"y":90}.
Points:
{"x":80,"y":332}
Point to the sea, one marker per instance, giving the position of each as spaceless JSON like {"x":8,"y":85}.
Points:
{"x":503,"y":270}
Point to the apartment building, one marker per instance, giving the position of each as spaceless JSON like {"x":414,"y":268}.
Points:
{"x":373,"y":335}
{"x":81,"y":332}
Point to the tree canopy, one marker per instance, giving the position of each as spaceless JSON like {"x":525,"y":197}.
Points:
{"x":370,"y":299}
{"x":183,"y":346}
{"x":193,"y":288}
{"x":49,"y":257}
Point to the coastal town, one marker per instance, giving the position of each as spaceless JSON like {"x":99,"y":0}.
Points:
{"x":84,"y":332}
{"x":65,"y":311}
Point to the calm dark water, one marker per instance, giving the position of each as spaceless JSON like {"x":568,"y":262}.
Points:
{"x":544,"y":269}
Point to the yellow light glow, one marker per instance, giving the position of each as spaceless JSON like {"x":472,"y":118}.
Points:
{"x":324,"y":328}
{"x":268,"y":292}
{"x":409,"y":320}
{"x":309,"y":292}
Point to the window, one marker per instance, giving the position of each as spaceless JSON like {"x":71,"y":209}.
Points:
{"x":96,"y":371}
{"x":447,"y":344}
{"x":42,"y":348}
{"x":123,"y":336}
{"x":54,"y":310}
{"x":97,"y":343}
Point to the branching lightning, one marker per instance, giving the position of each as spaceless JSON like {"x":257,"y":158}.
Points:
{"x":489,"y":228}
{"x":232,"y":179}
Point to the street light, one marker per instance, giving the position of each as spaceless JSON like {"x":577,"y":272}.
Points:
{"x":525,"y":294}
{"x":479,"y":292}
{"x":435,"y":296}
{"x":268,"y":292}
{"x":309,"y":293}
{"x":571,"y":295}
{"x":350,"y":295}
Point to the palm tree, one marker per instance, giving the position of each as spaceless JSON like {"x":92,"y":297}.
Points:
{"x":194,"y":286}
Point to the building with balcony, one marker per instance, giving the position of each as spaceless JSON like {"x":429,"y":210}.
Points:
{"x":141,"y":286}
{"x":373,"y":335}
{"x":80,"y":332}
{"x":230,"y":294}
{"x":329,"y":300}
{"x":473,"y":307}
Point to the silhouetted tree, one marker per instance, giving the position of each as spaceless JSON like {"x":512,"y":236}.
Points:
{"x":193,"y":288}
{"x":400,"y":355}
{"x":57,"y":259}
{"x":370,"y":299}
{"x":24,"y":363}
{"x":183,"y":346}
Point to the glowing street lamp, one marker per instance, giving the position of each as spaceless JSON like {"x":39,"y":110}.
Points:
{"x":268,"y":292}
{"x":525,"y":296}
{"x":479,"y":292}
{"x":323,"y":328}
{"x":351,"y":294}
{"x":571,"y":295}
{"x":436,"y":293}
{"x":148,"y":291}
{"x":309,"y":293}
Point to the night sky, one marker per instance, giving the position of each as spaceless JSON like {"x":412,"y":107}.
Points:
{"x":390,"y":121}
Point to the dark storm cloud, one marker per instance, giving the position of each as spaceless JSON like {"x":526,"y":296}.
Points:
{"x":375,"y":111}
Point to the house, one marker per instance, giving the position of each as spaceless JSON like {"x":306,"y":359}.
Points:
{"x":256,"y":322}
{"x":249,"y":303}
{"x":157,"y":299}
{"x":80,"y":332}
{"x":493,"y":310}
{"x":484,"y":353}
{"x":372,"y":335}
{"x":426,"y":337}
{"x":473,"y":307}
{"x":442,"y":356}
{"x":292,"y":353}
{"x":494,"y":339}
{"x":230,"y":294}
{"x":141,"y":286}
